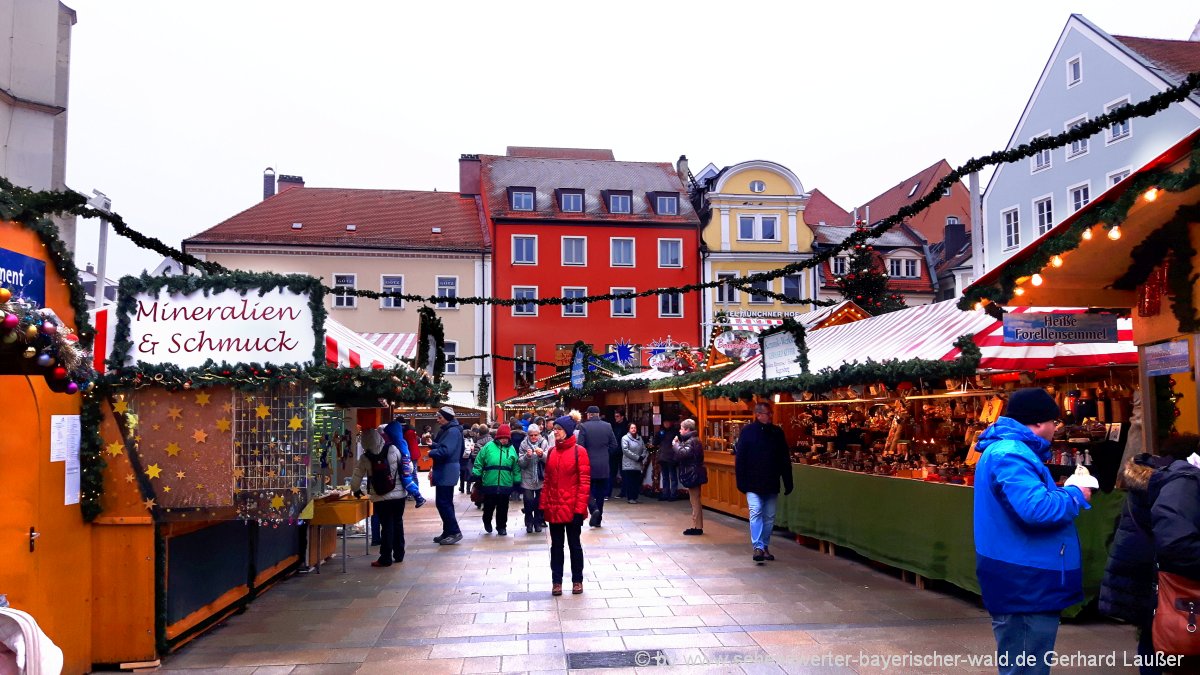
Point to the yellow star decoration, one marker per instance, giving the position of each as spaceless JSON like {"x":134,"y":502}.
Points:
{"x":202,"y":399}
{"x":223,"y":424}
{"x":179,"y":427}
{"x":295,"y":490}
{"x":227,"y":407}
{"x":200,"y":436}
{"x":173,"y":449}
{"x":121,"y":407}
{"x":175,"y":413}
{"x":199,"y":486}
{"x":129,"y":478}
{"x":115,"y":448}
{"x":180,"y":475}
{"x":276,"y":502}
{"x":166,"y":488}
{"x":271,"y":473}
{"x":295,"y":423}
{"x":239,"y":472}
{"x":153,"y":471}
{"x":291,"y":404}
{"x":149,"y":504}
{"x":156,"y":426}
{"x":262,"y":411}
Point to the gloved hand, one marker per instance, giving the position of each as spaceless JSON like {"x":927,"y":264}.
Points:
{"x":357,"y":494}
{"x":578,"y":520}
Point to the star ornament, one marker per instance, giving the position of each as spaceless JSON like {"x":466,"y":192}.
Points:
{"x":175,"y":413}
{"x":295,"y":424}
{"x":115,"y":448}
{"x":121,"y":407}
{"x":276,"y":502}
{"x":173,"y":449}
{"x":223,"y":424}
{"x":180,"y":475}
{"x":149,"y":504}
{"x":203,"y":398}
{"x":262,"y":412}
{"x":153,"y":471}
{"x":200,"y":436}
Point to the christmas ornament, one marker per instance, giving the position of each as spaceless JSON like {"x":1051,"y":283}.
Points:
{"x":72,"y":388}
{"x":10,"y":321}
{"x":49,"y":328}
{"x":9,"y":338}
{"x":5,"y":295}
{"x":45,"y":360}
{"x":31,"y":332}
{"x":30,"y":352}
{"x":60,"y":373}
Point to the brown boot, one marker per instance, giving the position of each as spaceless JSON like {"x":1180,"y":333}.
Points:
{"x":576,"y":588}
{"x":556,"y":589}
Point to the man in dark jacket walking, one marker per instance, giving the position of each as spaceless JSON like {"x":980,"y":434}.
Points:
{"x":760,"y":462}
{"x":1027,"y":555}
{"x":597,"y":438}
{"x":668,"y":468}
{"x":446,"y":453}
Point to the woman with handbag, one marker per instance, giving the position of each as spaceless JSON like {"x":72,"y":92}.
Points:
{"x":1175,"y":518}
{"x":633,"y":456}
{"x":532,"y":458}
{"x":689,"y":454}
{"x":565,"y":500}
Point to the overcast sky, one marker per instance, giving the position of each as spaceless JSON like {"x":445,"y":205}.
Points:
{"x":176,"y":108}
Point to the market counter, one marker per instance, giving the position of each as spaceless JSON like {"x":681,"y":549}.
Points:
{"x":922,"y":527}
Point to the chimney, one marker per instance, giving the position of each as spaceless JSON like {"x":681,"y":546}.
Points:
{"x":954,"y":238}
{"x":681,"y":168}
{"x":91,"y":269}
{"x":287,"y":182}
{"x":470,"y":175}
{"x":268,"y":183}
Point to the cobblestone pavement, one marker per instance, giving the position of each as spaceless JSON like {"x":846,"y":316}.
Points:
{"x":484,"y":606}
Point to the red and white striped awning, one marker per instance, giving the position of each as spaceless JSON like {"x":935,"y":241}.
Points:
{"x":400,"y":345}
{"x":752,"y":325}
{"x":344,"y":348}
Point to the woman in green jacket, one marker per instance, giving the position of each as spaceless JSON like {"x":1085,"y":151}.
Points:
{"x":497,"y":471}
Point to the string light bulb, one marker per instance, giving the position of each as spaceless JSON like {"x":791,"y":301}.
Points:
{"x":1115,"y":232}
{"x":978,"y":306}
{"x":1057,"y":261}
{"x":1087,"y":234}
{"x":1036,"y":280}
{"x":1151,"y":194}
{"x":1018,"y":291}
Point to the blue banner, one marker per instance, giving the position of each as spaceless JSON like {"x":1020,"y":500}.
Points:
{"x":577,"y":374}
{"x":1168,"y":358}
{"x":1034,"y":327}
{"x":24,"y":276}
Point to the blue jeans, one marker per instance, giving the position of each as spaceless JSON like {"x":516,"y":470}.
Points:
{"x":669,"y":473}
{"x":1022,"y":641}
{"x":762,"y":518}
{"x":445,"y":507}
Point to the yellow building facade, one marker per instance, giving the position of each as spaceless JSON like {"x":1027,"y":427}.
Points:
{"x":756,"y":224}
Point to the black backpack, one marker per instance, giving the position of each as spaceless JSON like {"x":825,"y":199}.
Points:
{"x":382,"y":480}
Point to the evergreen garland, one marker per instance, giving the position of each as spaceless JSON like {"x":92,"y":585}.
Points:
{"x":481,"y":394}
{"x":431,"y":326}
{"x":1171,"y":242}
{"x":674,"y":382}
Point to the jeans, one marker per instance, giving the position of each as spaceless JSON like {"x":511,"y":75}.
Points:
{"x":445,"y":507}
{"x":534,"y":516}
{"x":375,"y":527}
{"x":631,"y":484}
{"x":670,"y":479}
{"x":1022,"y":641}
{"x":497,"y":504}
{"x":762,"y":518}
{"x":569,"y":531}
{"x":391,"y":529}
{"x":596,"y":500}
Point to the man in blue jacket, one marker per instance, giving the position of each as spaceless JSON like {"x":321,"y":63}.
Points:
{"x":1026,"y":547}
{"x":446,"y":453}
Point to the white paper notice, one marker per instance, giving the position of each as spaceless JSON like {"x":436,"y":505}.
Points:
{"x":64,"y":437}
{"x":71,"y":484}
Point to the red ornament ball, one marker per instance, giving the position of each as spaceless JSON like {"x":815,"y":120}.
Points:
{"x":60,"y":373}
{"x":1177,"y":413}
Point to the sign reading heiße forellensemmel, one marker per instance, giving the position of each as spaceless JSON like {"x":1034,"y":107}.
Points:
{"x":224,"y":326}
{"x":1024,"y":328}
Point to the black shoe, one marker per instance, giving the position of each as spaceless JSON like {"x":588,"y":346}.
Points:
{"x":693,"y":531}
{"x":767,"y":553}
{"x":537,"y":528}
{"x":502,"y":532}
{"x":487,"y":527}
{"x":595,"y":520}
{"x":451,"y":539}
{"x":528,"y":529}
{"x":438,"y":539}
{"x":758,"y":556}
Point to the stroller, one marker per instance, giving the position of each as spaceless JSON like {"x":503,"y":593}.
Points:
{"x":24,"y":648}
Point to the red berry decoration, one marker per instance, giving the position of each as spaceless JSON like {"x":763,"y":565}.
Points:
{"x":60,"y":373}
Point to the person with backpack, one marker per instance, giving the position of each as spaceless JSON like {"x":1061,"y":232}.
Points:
{"x":497,"y":470}
{"x":383,"y":465}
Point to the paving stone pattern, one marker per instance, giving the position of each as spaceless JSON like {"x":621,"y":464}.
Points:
{"x":484,"y":606}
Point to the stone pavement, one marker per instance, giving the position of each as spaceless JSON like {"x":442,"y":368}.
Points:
{"x":484,"y":606}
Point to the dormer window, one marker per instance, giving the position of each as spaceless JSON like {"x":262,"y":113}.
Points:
{"x":521,"y":198}
{"x":913,"y":191}
{"x":757,"y":186}
{"x":570,"y":201}
{"x":665,"y":204}
{"x":619,"y":201}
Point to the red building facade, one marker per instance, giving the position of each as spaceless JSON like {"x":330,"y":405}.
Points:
{"x":570,"y":223}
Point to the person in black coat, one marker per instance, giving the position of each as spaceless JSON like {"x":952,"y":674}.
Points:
{"x":760,"y":462}
{"x":1158,"y":526}
{"x":597,"y":438}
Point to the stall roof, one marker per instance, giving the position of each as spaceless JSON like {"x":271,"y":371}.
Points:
{"x":811,"y":320}
{"x":929,"y":332}
{"x":400,"y":345}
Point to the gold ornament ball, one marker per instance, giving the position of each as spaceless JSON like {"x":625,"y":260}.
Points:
{"x":30,"y":352}
{"x":31,"y":332}
{"x":5,"y":295}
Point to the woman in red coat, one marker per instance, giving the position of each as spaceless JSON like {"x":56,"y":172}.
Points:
{"x":565,"y":499}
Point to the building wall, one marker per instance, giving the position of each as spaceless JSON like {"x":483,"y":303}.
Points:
{"x":464,"y":324}
{"x":599,"y":328}
{"x":1107,"y":75}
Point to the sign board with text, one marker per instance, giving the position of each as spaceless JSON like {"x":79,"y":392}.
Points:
{"x":1168,"y":358}
{"x":1035,"y":327}
{"x":24,"y":276}
{"x":780,"y":354}
{"x":273,"y":328}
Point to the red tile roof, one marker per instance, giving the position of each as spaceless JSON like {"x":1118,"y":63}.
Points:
{"x":546,"y":176}
{"x":401,"y":219}
{"x":1175,"y":58}
{"x":891,"y":201}
{"x":560,"y":153}
{"x":821,"y":210}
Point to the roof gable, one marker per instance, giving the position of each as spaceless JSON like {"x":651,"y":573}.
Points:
{"x":904,"y":193}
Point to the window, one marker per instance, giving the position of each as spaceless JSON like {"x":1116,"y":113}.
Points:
{"x":524,"y":249}
{"x":666,"y":205}
{"x":758,"y":228}
{"x":895,"y":267}
{"x":450,"y":347}
{"x":619,"y":203}
{"x":574,"y":308}
{"x":670,"y":253}
{"x":1079,"y":147}
{"x":913,"y":191}
{"x":1074,"y":71}
{"x":447,"y":287}
{"x":391,"y":283}
{"x":345,"y":282}
{"x":1012,"y":228}
{"x":571,"y":202}
{"x":670,"y":305}
{"x":725,"y":292}
{"x":793,"y":287}
{"x":1118,"y":131}
{"x":1118,"y":176}
{"x":946,"y":192}
{"x":840,"y":264}
{"x":1041,"y":160}
{"x":524,"y":308}
{"x":757,"y":186}
{"x":621,"y":254}
{"x":524,"y":372}
{"x":574,"y":251}
{"x":522,"y":200}
{"x":759,"y":298}
{"x":623,"y":307}
{"x":1080,"y":196}
{"x":951,"y":220}
{"x":1043,"y":214}
{"x":912,"y":268}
